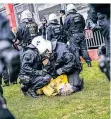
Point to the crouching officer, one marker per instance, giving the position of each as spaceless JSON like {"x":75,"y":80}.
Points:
{"x":60,"y":61}
{"x":27,"y":30}
{"x":54,"y":30}
{"x":31,"y":75}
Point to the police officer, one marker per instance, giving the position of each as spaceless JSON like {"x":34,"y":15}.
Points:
{"x":30,"y":73}
{"x":27,"y":30}
{"x":60,"y":61}
{"x":42,"y":30}
{"x":54,"y":29}
{"x":74,"y":27}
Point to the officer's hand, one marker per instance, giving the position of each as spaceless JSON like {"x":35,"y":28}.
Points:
{"x":59,"y":71}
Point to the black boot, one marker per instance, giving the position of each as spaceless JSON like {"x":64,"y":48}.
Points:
{"x":14,"y":82}
{"x":6,"y":84}
{"x":81,"y":86}
{"x":89,"y":64}
{"x":32,"y":93}
{"x":24,"y":89}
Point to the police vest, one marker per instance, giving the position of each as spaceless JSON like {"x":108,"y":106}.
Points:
{"x":75,"y":23}
{"x":32,"y":27}
{"x":76,"y":18}
{"x":57,"y":32}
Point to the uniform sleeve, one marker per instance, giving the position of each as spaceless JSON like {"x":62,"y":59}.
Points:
{"x":83,"y":22}
{"x":69,"y":62}
{"x":66,"y":26}
{"x":48,"y":33}
{"x":27,"y":63}
{"x":19,"y":34}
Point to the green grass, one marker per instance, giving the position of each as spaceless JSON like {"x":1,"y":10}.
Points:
{"x":92,"y":103}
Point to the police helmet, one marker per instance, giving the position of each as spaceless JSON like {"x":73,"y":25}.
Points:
{"x":52,"y":17}
{"x":26,"y":15}
{"x":43,"y":46}
{"x":71,"y":7}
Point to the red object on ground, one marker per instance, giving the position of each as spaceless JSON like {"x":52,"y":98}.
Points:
{"x":11,"y":16}
{"x":93,"y":55}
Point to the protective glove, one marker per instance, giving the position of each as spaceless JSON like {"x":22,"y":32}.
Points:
{"x":59,"y":71}
{"x":39,"y":72}
{"x":44,"y":72}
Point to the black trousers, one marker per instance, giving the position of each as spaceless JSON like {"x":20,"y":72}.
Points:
{"x":78,"y":46}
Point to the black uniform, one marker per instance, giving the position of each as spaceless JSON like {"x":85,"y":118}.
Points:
{"x":63,"y":61}
{"x":55,"y":32}
{"x":74,"y":27}
{"x":26,"y":32}
{"x":30,"y":74}
{"x":42,"y":30}
{"x":5,"y":75}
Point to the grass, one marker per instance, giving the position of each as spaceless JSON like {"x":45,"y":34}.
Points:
{"x":91,"y":103}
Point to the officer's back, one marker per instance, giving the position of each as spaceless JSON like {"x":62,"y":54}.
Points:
{"x":27,"y":30}
{"x":74,"y":21}
{"x":54,"y":29}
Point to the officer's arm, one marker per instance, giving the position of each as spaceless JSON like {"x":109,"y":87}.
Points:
{"x":69,"y":62}
{"x":83,"y":21}
{"x":66,"y":26}
{"x":19,"y":34}
{"x":48,"y":33}
{"x":27,"y":63}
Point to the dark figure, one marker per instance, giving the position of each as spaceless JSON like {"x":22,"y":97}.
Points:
{"x":42,"y":30}
{"x":103,"y":14}
{"x":91,"y":22}
{"x":8,"y":57}
{"x":74,"y":28}
{"x":5,"y":75}
{"x":62,"y":17}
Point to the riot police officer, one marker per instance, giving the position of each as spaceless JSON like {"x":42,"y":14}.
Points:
{"x":27,"y":30}
{"x":54,"y":29}
{"x":74,"y":27}
{"x":31,"y":76}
